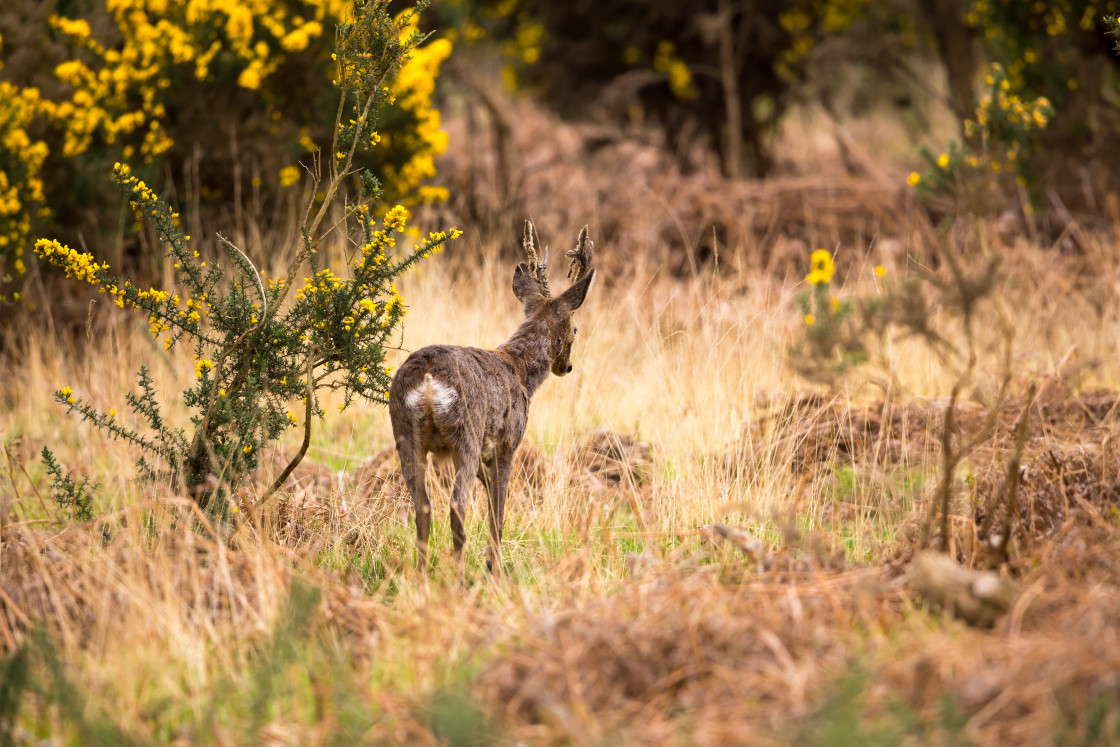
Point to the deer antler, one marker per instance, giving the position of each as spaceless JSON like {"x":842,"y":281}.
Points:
{"x":580,"y":256}
{"x":537,"y":270}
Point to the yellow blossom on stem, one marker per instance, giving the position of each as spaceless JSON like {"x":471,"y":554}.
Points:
{"x":822,"y":267}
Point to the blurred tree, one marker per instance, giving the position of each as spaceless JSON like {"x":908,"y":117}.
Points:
{"x":956,"y":45}
{"x":721,"y":73}
{"x":718,"y":72}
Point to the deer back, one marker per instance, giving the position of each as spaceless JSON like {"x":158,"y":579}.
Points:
{"x":459,"y":399}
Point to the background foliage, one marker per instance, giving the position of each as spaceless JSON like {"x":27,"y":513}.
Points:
{"x":723,"y":72}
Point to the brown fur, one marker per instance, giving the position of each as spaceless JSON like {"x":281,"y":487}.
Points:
{"x":472,"y":405}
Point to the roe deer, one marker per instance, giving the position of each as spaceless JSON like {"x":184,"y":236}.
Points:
{"x":471,"y":405}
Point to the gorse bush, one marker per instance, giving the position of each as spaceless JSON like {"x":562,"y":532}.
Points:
{"x":215,"y":89}
{"x":1006,"y":131}
{"x":1047,"y":73}
{"x":255,"y":350}
{"x":1043,"y":46}
{"x":126,"y":99}
{"x":21,"y":184}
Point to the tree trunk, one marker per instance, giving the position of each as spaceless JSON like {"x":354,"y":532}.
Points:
{"x":957,"y":49}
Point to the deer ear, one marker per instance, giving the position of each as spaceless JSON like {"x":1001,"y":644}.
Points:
{"x":572,"y":299}
{"x":526,"y":288}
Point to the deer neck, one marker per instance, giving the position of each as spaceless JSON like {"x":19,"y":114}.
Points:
{"x":528,"y":352}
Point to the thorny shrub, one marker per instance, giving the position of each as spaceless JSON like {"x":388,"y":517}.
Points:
{"x":21,"y":186}
{"x":1042,"y":45}
{"x":136,"y":96}
{"x":254,"y":354}
{"x":1006,"y":128}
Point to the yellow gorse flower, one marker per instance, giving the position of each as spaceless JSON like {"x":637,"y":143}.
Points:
{"x":202,"y":366}
{"x":123,"y":94}
{"x":821,"y":267}
{"x":289,"y":175}
{"x":396,"y":218}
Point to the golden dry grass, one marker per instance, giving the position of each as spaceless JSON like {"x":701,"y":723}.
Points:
{"x":620,"y":618}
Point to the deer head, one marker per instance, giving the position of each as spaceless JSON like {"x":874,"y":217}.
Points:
{"x":530,"y":286}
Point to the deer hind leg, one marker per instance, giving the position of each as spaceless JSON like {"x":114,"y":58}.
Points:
{"x":497,"y":484}
{"x":414,"y":464}
{"x":488,"y":475}
{"x":466,"y":466}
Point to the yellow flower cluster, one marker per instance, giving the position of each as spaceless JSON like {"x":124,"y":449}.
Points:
{"x":821,"y":268}
{"x":436,"y":240}
{"x":201,"y":366}
{"x":289,"y":175}
{"x":805,"y":24}
{"x":76,"y":264}
{"x":526,"y":42}
{"x":396,"y":218}
{"x":81,"y":265}
{"x":1004,"y":121}
{"x":1037,"y":40}
{"x":524,"y":47}
{"x":680,"y":77}
{"x":120,"y":94}
{"x":323,"y":281}
{"x":21,"y":186}
{"x":413,"y":90}
{"x":1007,"y":106}
{"x":395,"y":303}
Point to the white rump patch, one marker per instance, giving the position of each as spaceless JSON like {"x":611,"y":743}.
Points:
{"x":432,"y":394}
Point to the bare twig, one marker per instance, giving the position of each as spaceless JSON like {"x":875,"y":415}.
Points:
{"x":256,"y":273}
{"x":308,"y":412}
{"x":1011,"y":510}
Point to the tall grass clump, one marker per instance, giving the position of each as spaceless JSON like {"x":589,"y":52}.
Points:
{"x":258,"y":346}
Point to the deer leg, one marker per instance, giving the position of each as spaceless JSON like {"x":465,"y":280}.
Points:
{"x":465,"y":469}
{"x":414,"y":466}
{"x":499,"y":478}
{"x":488,"y":474}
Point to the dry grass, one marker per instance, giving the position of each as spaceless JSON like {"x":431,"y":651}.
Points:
{"x":620,"y":618}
